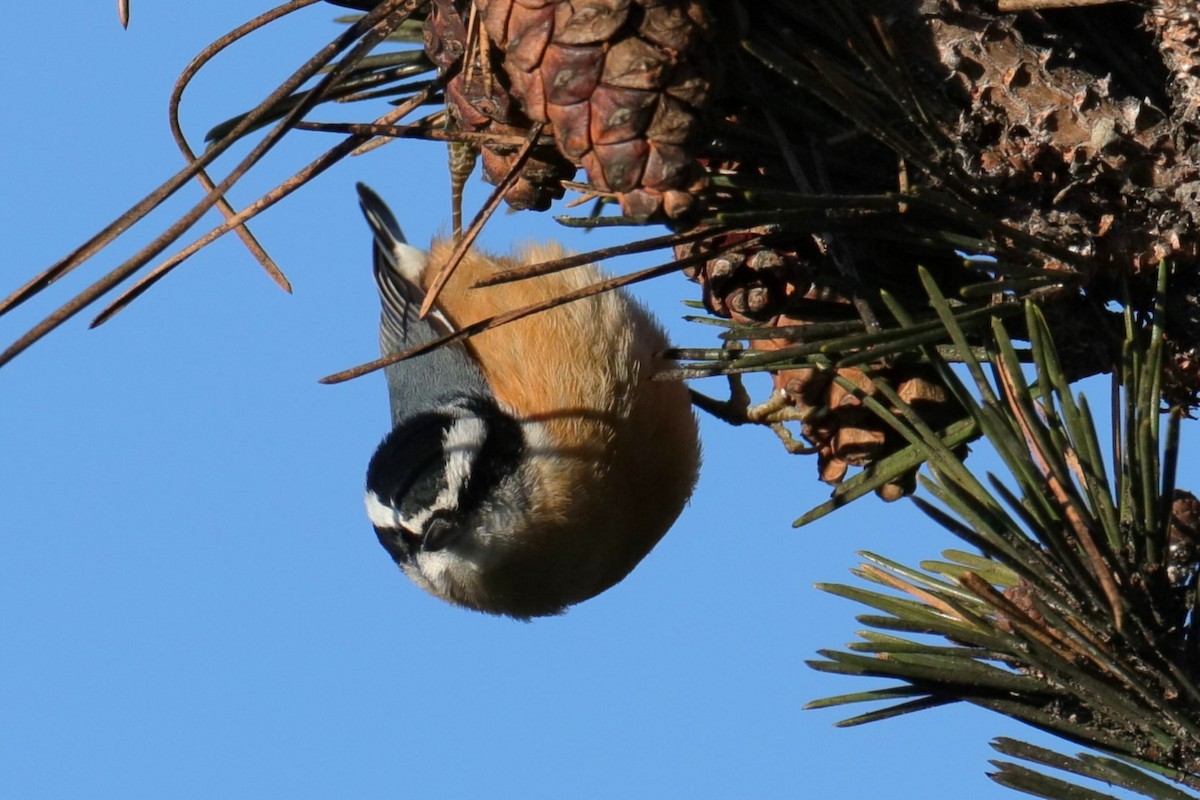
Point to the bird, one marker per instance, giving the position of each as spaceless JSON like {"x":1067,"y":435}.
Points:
{"x":534,"y":465}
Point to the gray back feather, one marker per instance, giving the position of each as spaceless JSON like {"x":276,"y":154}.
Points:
{"x":427,"y":381}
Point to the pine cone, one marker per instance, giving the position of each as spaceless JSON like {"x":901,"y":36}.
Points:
{"x":792,"y":286}
{"x":848,"y":434}
{"x":479,"y":103}
{"x":620,"y":82}
{"x":748,"y":286}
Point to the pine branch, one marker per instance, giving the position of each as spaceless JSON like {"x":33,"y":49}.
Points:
{"x":1075,"y":618}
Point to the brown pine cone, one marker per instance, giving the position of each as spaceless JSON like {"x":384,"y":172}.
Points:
{"x":748,"y":286}
{"x":792,"y":286}
{"x":621,"y":84}
{"x":479,"y":103}
{"x":848,"y":434}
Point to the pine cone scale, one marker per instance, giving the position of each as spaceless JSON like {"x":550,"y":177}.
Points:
{"x":617,"y":81}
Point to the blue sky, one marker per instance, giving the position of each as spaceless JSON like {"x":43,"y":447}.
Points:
{"x":191,"y":599}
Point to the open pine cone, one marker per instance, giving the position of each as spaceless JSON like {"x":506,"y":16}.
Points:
{"x":772,"y":285}
{"x":619,"y":83}
{"x":479,"y":103}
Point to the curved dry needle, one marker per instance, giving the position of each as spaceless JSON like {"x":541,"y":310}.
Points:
{"x":182,"y":82}
{"x":123,"y":12}
{"x":314,"y":168}
{"x":415,"y":130}
{"x":368,"y":31}
{"x":496,"y":321}
{"x":595,"y":256}
{"x":172,"y":184}
{"x":471,"y":233}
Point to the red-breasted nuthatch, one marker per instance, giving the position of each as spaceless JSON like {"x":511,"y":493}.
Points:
{"x":535,"y":466}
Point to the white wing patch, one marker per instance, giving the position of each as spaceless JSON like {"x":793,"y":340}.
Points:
{"x":408,"y":261}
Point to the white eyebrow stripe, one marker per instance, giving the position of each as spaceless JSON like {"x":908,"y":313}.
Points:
{"x":462,"y":444}
{"x":380,"y":513}
{"x":389,"y":518}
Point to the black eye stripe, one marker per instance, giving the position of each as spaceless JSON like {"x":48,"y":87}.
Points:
{"x":440,"y":531}
{"x":401,"y":544}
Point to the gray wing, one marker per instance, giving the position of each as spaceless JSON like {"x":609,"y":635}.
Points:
{"x":429,"y":380}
